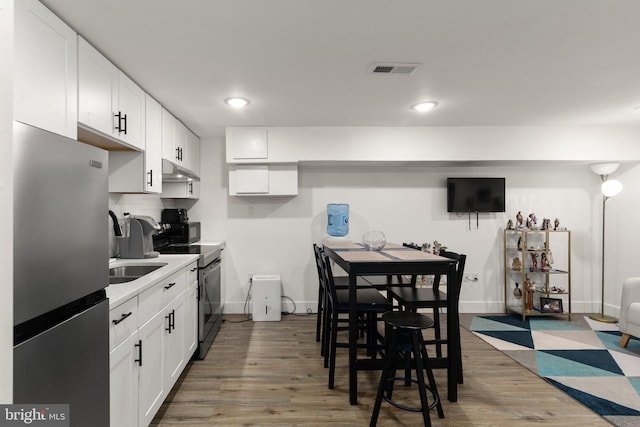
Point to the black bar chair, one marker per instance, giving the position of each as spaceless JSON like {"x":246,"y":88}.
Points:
{"x":341,"y":282}
{"x":413,"y":298}
{"x":369,"y":303}
{"x":404,"y":336}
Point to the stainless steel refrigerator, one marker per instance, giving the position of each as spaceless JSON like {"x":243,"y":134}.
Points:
{"x":61,"y":313}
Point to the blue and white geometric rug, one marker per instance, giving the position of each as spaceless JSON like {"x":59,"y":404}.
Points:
{"x":587,"y":364}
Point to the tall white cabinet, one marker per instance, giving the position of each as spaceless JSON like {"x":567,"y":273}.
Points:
{"x":109,"y":102}
{"x":45,"y":75}
{"x":140,"y":171}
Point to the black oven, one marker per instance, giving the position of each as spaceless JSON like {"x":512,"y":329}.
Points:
{"x":209,"y":306}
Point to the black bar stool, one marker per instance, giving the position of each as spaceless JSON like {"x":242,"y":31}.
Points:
{"x":404,"y":334}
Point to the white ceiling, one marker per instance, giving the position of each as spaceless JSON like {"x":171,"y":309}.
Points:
{"x":306,"y":62}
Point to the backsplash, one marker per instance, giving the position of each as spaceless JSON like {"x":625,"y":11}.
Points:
{"x":139,"y":204}
{"x":136,"y":204}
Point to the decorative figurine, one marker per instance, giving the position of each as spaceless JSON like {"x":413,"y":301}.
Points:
{"x":534,"y":262}
{"x":517,"y":294}
{"x":509,"y":225}
{"x":544,"y":261}
{"x":556,"y":224}
{"x":531,"y":221}
{"x":437,"y":247}
{"x":546,"y":223}
{"x":519,"y":243}
{"x":519,"y":220}
{"x":516,"y":264}
{"x":530,"y":289}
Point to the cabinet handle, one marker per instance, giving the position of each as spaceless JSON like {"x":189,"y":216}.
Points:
{"x":170,"y":285}
{"x":150,"y":182}
{"x":193,"y":269}
{"x":191,"y":188}
{"x":168,"y":317}
{"x":121,"y":118}
{"x":178,"y":153}
{"x":124,"y":316}
{"x":171,"y":324}
{"x":139,"y":359}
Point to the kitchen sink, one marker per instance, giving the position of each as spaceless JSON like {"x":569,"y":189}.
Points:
{"x":127,"y":273}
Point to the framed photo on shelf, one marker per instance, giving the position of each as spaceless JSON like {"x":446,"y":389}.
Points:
{"x":550,"y":305}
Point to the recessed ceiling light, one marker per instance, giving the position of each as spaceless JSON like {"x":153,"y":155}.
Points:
{"x":425,"y":106}
{"x":236,"y":102}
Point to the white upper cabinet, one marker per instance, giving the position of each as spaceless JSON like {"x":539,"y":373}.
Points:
{"x":45,"y":78}
{"x":275,"y":179}
{"x":181,"y":190}
{"x":246,"y":144}
{"x":108,"y":101}
{"x":140,"y":171}
{"x":132,"y":110}
{"x":168,"y":136}
{"x":193,"y":153}
{"x":153,"y":151}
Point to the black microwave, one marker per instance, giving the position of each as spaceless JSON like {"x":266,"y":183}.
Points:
{"x":186,"y":232}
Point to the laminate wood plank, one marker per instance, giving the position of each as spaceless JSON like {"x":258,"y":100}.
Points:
{"x":271,"y":374}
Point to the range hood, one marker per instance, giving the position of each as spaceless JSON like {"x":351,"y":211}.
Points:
{"x":176,"y":173}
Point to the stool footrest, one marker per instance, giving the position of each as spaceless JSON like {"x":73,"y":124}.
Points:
{"x":408,"y":408}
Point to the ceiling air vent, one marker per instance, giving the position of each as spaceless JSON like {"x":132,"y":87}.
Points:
{"x":393,"y":68}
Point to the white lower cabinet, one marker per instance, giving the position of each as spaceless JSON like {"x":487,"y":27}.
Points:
{"x":191,"y":320}
{"x":150,"y":379}
{"x":173,"y":345}
{"x":152,"y":337}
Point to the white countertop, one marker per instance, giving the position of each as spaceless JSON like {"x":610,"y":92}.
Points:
{"x":122,"y":292}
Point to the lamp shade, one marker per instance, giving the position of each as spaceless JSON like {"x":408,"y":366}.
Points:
{"x":604,"y":168}
{"x":611,"y":187}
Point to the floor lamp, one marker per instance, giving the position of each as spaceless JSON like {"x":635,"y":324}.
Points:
{"x":610,"y":187}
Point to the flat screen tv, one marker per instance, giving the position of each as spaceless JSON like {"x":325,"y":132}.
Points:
{"x":475,"y":194}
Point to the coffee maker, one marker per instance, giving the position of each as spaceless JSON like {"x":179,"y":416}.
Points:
{"x":137,"y":242}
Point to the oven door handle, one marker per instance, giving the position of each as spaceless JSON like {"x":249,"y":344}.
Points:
{"x":204,"y":272}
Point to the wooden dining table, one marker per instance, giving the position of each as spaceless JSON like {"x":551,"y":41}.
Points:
{"x":395,"y":260}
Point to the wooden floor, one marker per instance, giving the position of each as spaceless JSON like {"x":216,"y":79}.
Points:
{"x":271,"y":374}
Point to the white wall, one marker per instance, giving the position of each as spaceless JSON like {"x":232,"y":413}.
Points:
{"x":6,"y":201}
{"x":266,"y":235}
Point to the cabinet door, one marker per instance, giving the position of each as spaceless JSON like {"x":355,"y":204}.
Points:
{"x":168,"y":136}
{"x":191,"y":320}
{"x":151,"y":390}
{"x":193,"y":190}
{"x":97,"y":89}
{"x":193,"y":152}
{"x":123,"y":377}
{"x":131,"y":103}
{"x":153,"y":146}
{"x":181,"y":190}
{"x":46,"y":70}
{"x":174,"y":326}
{"x":180,"y":144}
{"x":246,"y":144}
